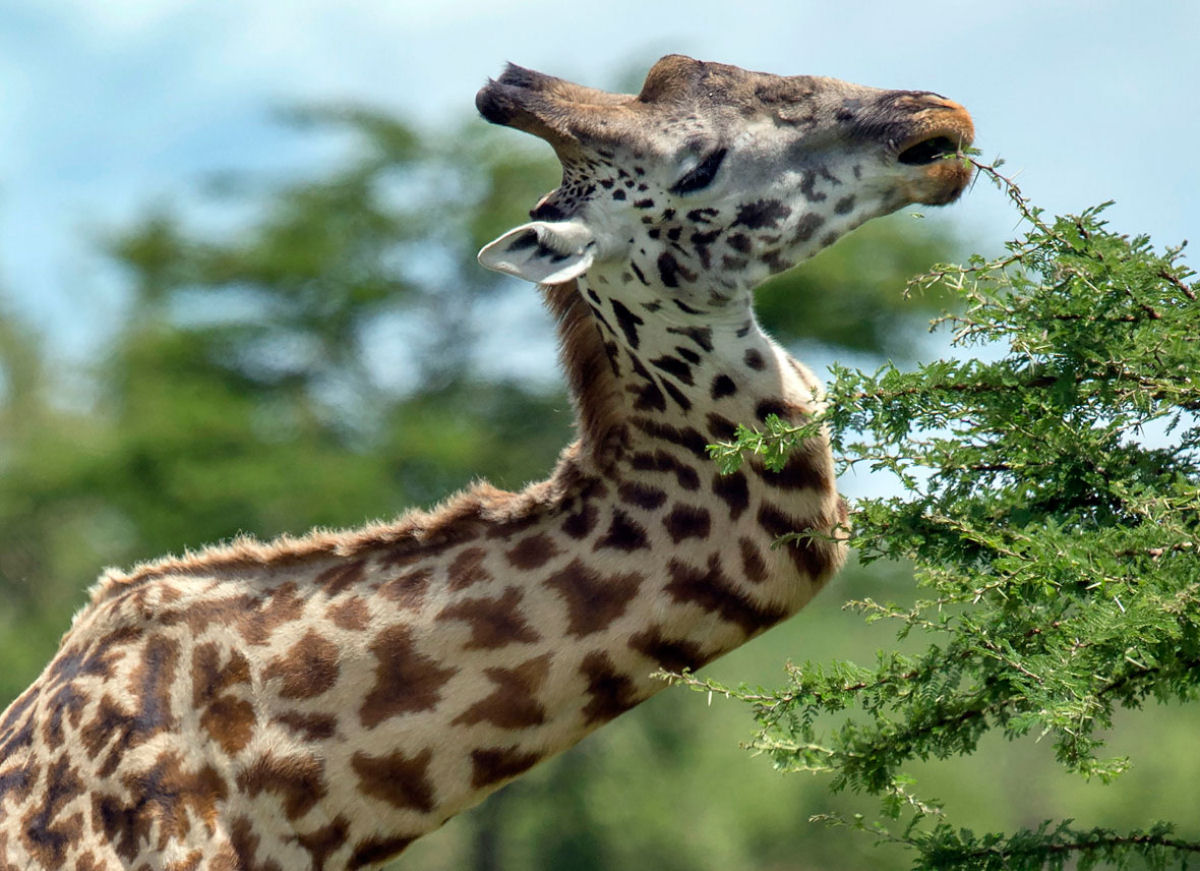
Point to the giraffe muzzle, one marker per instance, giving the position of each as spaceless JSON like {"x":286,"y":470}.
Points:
{"x":940,"y":133}
{"x":927,"y":151}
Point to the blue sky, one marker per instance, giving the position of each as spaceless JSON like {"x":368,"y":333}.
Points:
{"x":107,"y":107}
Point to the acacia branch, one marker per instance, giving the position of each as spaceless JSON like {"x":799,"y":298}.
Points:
{"x":1111,"y":842}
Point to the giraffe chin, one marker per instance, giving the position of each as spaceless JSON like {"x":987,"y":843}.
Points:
{"x":937,"y":174}
{"x":942,"y":182}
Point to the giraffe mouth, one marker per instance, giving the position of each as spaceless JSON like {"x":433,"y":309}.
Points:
{"x":940,"y":131}
{"x":928,"y":150}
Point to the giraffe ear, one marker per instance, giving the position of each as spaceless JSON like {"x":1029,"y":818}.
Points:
{"x":544,"y":252}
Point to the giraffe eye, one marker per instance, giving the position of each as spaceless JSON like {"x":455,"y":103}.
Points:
{"x":702,"y":176}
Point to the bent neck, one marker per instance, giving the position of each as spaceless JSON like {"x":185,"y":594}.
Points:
{"x":638,"y":356}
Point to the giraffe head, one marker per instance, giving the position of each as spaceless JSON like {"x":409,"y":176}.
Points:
{"x":713,"y":177}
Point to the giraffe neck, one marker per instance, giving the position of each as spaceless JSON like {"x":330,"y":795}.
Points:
{"x":521,"y":638}
{"x":322,"y":702}
{"x":639,"y":360}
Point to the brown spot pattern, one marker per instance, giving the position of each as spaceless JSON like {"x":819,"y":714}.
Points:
{"x":397,"y":779}
{"x":628,"y":322}
{"x":593,"y":601}
{"x":686,"y":437}
{"x":150,"y":688}
{"x":109,"y":724}
{"x":424,"y":541}
{"x":495,"y":622}
{"x":62,"y":684}
{"x":739,"y":242}
{"x":18,"y":737}
{"x":734,"y":490}
{"x":702,"y":336}
{"x":761,"y":214}
{"x":532,"y":552}
{"x":661,"y":461}
{"x":324,"y":842}
{"x":723,"y":385}
{"x":676,"y":367}
{"x":808,"y":554}
{"x":649,"y":396}
{"x":148,"y":712}
{"x":580,"y":523}
{"x":352,"y":615}
{"x":211,"y":678}
{"x":711,"y":589}
{"x":676,"y":394}
{"x":799,"y":473}
{"x":337,"y":579}
{"x":610,"y":692}
{"x":44,"y":831}
{"x":777,"y":407}
{"x":507,"y":528}
{"x":199,"y":616}
{"x":513,"y":704}
{"x":808,"y":225}
{"x":245,"y":848}
{"x":671,"y":654}
{"x":190,"y":862}
{"x":687,"y":521}
{"x":754,"y":567}
{"x":407,"y":590}
{"x":467,"y":569}
{"x":17,"y":780}
{"x":87,"y":861}
{"x":493,"y":764}
{"x":283,"y":605}
{"x":375,"y":851}
{"x":309,"y":727}
{"x":230,"y":722}
{"x":623,"y":533}
{"x":297,"y":781}
{"x":308,"y":669}
{"x":169,"y":797}
{"x":721,"y":428}
{"x":641,"y":495}
{"x":405,"y":679}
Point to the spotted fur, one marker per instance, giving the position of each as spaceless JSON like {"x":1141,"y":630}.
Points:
{"x":320,"y":702}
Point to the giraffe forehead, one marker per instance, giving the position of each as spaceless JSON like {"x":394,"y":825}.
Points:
{"x":677,"y":81}
{"x":750,"y":124}
{"x":682,"y":98}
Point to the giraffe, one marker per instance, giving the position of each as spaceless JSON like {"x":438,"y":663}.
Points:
{"x":319,"y":702}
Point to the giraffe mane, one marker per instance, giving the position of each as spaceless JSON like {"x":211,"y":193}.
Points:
{"x":475,"y":512}
{"x":590,"y":375}
{"x":481,"y":509}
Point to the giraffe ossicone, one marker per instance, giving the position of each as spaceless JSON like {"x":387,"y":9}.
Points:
{"x":320,"y":702}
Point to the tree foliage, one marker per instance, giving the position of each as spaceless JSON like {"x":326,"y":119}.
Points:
{"x":1049,"y":500}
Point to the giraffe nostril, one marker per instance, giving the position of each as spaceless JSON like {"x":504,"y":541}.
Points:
{"x":927,"y":151}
